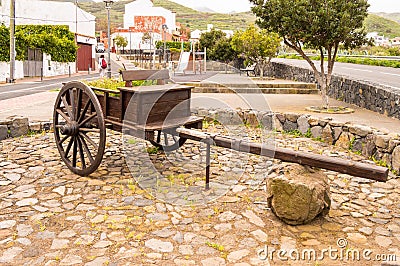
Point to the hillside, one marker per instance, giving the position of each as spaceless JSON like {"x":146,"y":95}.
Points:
{"x":383,"y":26}
{"x":187,"y":16}
{"x":383,"y":23}
{"x":391,"y":16}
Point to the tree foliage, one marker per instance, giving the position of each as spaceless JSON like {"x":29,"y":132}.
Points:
{"x":120,"y":41}
{"x":322,"y":25}
{"x":209,"y":40}
{"x":258,"y":46}
{"x":57,"y":41}
{"x":223,"y":51}
{"x":173,"y":45}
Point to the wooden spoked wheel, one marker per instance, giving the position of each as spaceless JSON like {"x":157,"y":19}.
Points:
{"x":167,"y":141}
{"x":79,"y":128}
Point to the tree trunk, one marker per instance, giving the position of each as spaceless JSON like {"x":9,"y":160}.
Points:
{"x":324,"y":88}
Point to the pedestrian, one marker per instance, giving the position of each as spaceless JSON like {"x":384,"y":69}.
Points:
{"x":102,"y":66}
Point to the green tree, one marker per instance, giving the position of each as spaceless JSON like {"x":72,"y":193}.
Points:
{"x":209,"y":40}
{"x":120,"y":41}
{"x":224,"y":52}
{"x":321,"y":25}
{"x":258,"y":46}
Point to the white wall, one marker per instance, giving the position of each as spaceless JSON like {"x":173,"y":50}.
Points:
{"x":146,"y":8}
{"x":5,"y":70}
{"x":51,"y":68}
{"x":35,"y":12}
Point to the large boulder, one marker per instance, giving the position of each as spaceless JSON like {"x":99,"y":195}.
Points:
{"x":298,"y":194}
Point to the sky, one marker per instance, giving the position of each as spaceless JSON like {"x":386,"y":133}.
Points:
{"x":226,"y":6}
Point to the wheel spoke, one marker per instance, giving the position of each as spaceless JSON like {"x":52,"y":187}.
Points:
{"x":87,"y":119}
{"x":89,"y":140}
{"x":67,"y":107}
{"x":78,"y":104}
{"x":66,"y":118}
{"x":74,"y":152}
{"x":81,"y":154}
{"x":83,"y":114}
{"x":72,"y":101}
{"x":86,"y":148}
{"x":166,"y":139}
{"x":63,"y":139}
{"x":175,"y":139}
{"x":158,"y":136}
{"x":68,"y":147}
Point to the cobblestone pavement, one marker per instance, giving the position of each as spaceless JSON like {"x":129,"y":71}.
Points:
{"x":49,"y":216}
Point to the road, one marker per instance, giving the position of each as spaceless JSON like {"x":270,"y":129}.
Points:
{"x":29,"y":87}
{"x":381,"y":75}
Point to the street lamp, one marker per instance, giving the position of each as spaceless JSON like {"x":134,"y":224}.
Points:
{"x":130,"y":42}
{"x":108,"y":4}
{"x":151,"y":61}
{"x":165,"y":28}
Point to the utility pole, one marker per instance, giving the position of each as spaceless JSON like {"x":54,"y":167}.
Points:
{"x":12,"y":41}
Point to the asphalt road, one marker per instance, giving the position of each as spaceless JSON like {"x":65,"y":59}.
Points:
{"x":387,"y":76}
{"x":24,"y":88}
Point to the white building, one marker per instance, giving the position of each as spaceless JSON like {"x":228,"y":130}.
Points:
{"x":196,"y":34}
{"x":379,"y":40}
{"x":35,"y":12}
{"x":140,"y":17}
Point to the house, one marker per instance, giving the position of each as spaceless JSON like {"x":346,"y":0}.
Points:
{"x":35,"y":12}
{"x":379,"y":40}
{"x":196,"y":34}
{"x":395,"y":42}
{"x":142,"y":18}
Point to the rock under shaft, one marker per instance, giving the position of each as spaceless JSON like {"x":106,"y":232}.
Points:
{"x":299,"y":194}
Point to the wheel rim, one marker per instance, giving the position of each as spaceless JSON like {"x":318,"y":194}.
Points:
{"x":167,"y":141}
{"x":79,"y":128}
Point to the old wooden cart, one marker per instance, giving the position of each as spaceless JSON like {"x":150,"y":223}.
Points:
{"x":161,"y":115}
{"x":154,"y":112}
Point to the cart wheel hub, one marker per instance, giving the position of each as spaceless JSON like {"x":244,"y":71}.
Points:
{"x":70,"y":129}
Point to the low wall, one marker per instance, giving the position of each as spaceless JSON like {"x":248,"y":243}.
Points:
{"x":5,"y":70}
{"x":374,"y":97}
{"x":381,"y":147}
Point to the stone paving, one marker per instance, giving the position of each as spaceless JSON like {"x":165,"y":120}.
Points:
{"x":49,"y":216}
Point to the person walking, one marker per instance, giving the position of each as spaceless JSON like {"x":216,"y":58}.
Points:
{"x":102,"y":66}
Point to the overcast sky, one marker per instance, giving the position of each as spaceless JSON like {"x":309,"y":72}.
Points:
{"x":226,"y":6}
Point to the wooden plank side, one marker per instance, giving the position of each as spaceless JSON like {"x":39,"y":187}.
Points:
{"x":164,"y":97}
{"x":129,"y":75}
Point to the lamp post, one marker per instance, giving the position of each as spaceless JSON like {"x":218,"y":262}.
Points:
{"x":165,"y":28}
{"x":108,"y":4}
{"x":151,"y":54}
{"x":130,"y":42}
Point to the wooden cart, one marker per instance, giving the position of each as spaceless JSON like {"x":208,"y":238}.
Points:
{"x":154,"y":112}
{"x":161,"y":115}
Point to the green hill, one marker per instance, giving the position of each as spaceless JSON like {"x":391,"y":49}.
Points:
{"x":383,"y":26}
{"x":187,"y":16}
{"x":391,"y":16}
{"x":383,"y":23}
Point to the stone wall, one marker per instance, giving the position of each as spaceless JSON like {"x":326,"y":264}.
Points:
{"x":15,"y":126}
{"x":383,"y":147}
{"x":365,"y":94}
{"x":374,"y":144}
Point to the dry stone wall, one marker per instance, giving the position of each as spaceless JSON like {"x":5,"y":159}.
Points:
{"x":365,"y":94}
{"x":382,"y":147}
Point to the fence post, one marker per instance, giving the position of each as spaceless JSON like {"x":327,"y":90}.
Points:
{"x":69,"y":71}
{"x":41,"y":74}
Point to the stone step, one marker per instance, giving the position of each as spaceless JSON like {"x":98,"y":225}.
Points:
{"x":254,"y":90}
{"x":297,"y":85}
{"x":259,"y":87}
